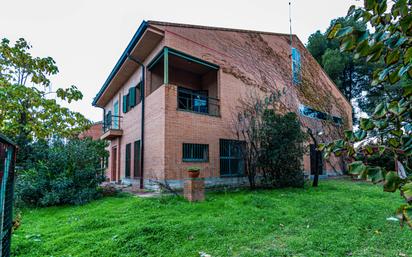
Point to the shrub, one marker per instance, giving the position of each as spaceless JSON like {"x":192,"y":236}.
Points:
{"x":59,"y":172}
{"x":281,"y":150}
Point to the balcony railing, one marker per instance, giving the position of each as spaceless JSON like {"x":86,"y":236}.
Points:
{"x":112,"y":127}
{"x":112,"y":122}
{"x":198,"y":102}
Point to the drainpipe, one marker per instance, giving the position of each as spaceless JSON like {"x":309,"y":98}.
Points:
{"x":142,"y":98}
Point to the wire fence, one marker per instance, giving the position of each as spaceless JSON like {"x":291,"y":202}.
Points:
{"x":7,"y":163}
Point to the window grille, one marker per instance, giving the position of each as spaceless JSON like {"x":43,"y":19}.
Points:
{"x":195,"y":152}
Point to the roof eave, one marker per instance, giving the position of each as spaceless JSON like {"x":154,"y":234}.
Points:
{"x":136,"y":37}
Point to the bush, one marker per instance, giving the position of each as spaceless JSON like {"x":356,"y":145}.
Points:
{"x":60,"y":172}
{"x":281,"y":151}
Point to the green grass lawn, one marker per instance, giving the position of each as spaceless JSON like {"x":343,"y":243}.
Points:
{"x":339,"y":218}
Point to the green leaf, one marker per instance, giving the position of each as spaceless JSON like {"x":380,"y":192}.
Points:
{"x":395,"y":108}
{"x":369,"y":4}
{"x":351,"y":10}
{"x":407,"y":191}
{"x":375,"y":174}
{"x":366,"y":124}
{"x":394,"y":76}
{"x":369,"y":149}
{"x":407,"y":57}
{"x":347,"y":44}
{"x":397,"y":133}
{"x":392,"y":182}
{"x":384,"y":73}
{"x":360,"y":135}
{"x":380,"y":110}
{"x":393,"y":142}
{"x":404,"y":69}
{"x":334,"y":30}
{"x":407,"y":90}
{"x":392,"y":57}
{"x":381,"y":150}
{"x":357,"y":168}
{"x":321,"y":147}
{"x":349,"y":135}
{"x":344,"y":32}
{"x":406,"y":24}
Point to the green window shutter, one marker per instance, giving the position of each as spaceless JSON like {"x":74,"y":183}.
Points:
{"x":124,"y":104}
{"x":132,"y":96}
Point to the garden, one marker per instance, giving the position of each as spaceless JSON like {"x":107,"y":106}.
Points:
{"x":339,"y":218}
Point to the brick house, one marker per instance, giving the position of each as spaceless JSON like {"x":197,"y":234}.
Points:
{"x":94,"y":132}
{"x":188,"y":80}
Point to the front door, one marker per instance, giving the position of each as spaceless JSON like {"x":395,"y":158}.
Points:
{"x":316,"y":160}
{"x":114,"y":163}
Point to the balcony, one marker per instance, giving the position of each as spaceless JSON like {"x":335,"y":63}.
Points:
{"x":196,"y":81}
{"x":112,"y":128}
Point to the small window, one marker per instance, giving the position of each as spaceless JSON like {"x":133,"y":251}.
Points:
{"x":315,"y":114}
{"x":195,"y":153}
{"x":296,"y":66}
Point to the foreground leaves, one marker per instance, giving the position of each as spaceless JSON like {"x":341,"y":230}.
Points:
{"x":388,"y":131}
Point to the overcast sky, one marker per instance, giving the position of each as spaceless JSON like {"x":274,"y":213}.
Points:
{"x":86,"y":38}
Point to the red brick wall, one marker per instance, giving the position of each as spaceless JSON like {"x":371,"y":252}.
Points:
{"x":248,"y":62}
{"x":95,"y":131}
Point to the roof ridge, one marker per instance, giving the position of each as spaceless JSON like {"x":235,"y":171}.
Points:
{"x":185,"y":25}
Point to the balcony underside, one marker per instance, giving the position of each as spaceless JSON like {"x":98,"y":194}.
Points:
{"x":112,"y":134}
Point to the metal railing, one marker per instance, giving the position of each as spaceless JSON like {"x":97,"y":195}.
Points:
{"x":112,"y":122}
{"x":198,"y":102}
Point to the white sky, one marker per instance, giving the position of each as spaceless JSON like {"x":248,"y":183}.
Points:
{"x":86,"y":38}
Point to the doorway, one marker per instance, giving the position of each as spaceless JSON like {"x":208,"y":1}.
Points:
{"x":316,"y":160}
{"x":114,"y":164}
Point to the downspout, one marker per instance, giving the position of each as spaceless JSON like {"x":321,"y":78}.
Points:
{"x":142,"y":98}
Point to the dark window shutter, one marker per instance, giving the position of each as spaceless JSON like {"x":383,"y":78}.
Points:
{"x":124,"y":104}
{"x":136,"y":159}
{"x":127,"y":159}
{"x":132,"y":96}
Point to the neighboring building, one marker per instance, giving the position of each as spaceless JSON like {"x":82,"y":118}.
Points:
{"x":94,"y":132}
{"x":192,"y":79}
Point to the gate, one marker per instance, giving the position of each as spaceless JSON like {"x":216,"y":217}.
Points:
{"x":7,"y":161}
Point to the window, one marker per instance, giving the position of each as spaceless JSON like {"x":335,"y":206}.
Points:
{"x":195,"y":153}
{"x":127,"y":159}
{"x":116,"y":115}
{"x":132,"y":98}
{"x":296,"y":65}
{"x":192,"y":100}
{"x":231,"y":160}
{"x":315,"y":114}
{"x":136,"y":159}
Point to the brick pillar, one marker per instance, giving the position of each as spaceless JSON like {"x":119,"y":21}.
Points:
{"x":194,"y":189}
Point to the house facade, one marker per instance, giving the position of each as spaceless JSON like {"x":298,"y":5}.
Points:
{"x":188,"y":81}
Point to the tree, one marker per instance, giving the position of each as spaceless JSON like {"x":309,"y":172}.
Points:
{"x":388,"y":131}
{"x":26,"y":111}
{"x":349,"y":74}
{"x":273,"y":143}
